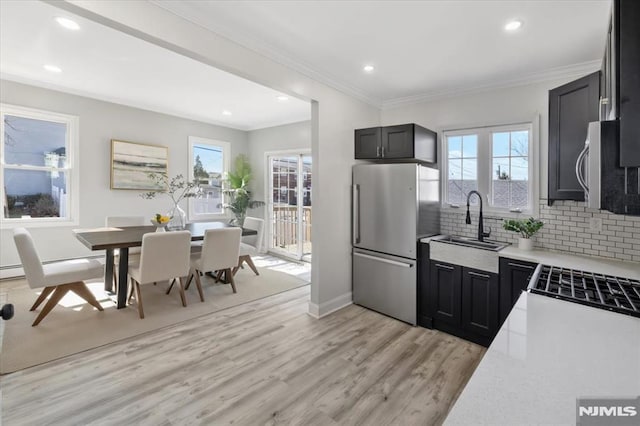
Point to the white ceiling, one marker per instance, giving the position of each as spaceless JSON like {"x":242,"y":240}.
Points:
{"x":421,"y":49}
{"x":103,"y":63}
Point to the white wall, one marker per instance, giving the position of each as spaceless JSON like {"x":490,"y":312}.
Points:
{"x":99,"y":123}
{"x":501,"y":106}
{"x":334,"y":118}
{"x":296,"y":136}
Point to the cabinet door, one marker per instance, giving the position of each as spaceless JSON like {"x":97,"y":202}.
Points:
{"x":445,"y":292}
{"x":397,"y":141}
{"x":368,"y":143}
{"x":629,"y":81}
{"x":514,"y":279}
{"x":424,"y":307}
{"x":571,"y":108}
{"x":479,"y":302}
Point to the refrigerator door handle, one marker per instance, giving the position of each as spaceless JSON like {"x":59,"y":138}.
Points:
{"x":356,"y":214}
{"x":383,"y":260}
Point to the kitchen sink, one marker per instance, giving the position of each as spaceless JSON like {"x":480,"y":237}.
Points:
{"x":467,"y":242}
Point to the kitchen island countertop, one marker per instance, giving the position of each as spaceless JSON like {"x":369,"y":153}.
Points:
{"x":548,"y":353}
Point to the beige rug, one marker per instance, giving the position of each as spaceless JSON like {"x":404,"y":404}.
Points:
{"x":74,"y":326}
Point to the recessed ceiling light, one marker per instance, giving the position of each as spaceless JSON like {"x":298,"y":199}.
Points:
{"x":368,"y":68}
{"x":68,"y":23}
{"x":226,"y":112}
{"x":282,"y":98}
{"x":513,"y":25}
{"x":52,"y":68}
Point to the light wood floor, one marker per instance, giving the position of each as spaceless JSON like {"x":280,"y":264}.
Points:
{"x":266,"y":362}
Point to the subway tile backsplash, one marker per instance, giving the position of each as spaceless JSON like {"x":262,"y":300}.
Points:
{"x":566,"y":228}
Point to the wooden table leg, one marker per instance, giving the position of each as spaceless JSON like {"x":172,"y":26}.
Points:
{"x":123,"y":271}
{"x":108,"y":271}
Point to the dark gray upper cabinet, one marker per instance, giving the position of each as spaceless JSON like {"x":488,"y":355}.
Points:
{"x":368,"y":143}
{"x":401,"y":142}
{"x":571,"y":108}
{"x":626,"y":29}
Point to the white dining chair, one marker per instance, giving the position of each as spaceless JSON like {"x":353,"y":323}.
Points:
{"x":56,"y":279}
{"x":220,"y":251}
{"x":251,"y":244}
{"x":164,"y":256}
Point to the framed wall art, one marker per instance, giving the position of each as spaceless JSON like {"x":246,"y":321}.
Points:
{"x":132,"y":163}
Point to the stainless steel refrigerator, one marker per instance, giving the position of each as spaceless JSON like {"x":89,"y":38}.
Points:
{"x":393,"y":206}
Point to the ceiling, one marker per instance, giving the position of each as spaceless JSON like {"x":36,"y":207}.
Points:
{"x":420,"y":49}
{"x":103,"y":63}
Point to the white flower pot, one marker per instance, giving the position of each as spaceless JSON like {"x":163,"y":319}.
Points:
{"x":525,"y":243}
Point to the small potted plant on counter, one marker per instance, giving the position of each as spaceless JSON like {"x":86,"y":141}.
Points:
{"x":527,"y":229}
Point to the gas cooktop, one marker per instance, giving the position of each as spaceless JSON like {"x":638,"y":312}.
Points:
{"x":601,"y":291}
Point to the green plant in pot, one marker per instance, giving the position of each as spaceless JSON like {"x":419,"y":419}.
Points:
{"x":237,"y":194}
{"x":527,"y":229}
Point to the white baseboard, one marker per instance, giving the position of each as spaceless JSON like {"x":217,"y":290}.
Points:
{"x":330,"y":306}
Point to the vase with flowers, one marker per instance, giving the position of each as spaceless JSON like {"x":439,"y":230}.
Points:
{"x":177,"y":189}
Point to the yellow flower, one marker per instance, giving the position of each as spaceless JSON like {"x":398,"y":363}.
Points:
{"x":161,"y":218}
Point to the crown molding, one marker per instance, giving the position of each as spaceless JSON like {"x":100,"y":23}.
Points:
{"x":267,"y":50}
{"x":569,"y":71}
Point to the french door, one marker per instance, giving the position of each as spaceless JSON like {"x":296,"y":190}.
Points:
{"x":289,"y":205}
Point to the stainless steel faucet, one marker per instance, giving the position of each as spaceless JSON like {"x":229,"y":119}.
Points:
{"x":481,"y":233}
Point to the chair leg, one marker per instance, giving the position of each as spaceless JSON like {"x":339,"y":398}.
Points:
{"x":81,"y":289}
{"x":199,"y":286}
{"x":219,"y":276}
{"x":139,"y":299}
{"x":170,"y":286}
{"x":45,"y":292}
{"x":251,"y":264}
{"x":186,"y":287}
{"x":183,"y":297}
{"x":58,"y":294}
{"x":238,"y":266}
{"x":133,"y":287}
{"x":229,"y":277}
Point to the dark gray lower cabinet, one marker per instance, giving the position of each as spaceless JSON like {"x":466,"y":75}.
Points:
{"x":445,"y":285}
{"x":460,"y":301}
{"x":480,"y":303}
{"x":424,"y":319}
{"x":514,"y":279}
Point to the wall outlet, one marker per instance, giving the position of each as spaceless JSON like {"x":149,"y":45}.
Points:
{"x":595,"y":224}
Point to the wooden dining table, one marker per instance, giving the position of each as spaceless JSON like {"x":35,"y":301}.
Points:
{"x":125,"y":237}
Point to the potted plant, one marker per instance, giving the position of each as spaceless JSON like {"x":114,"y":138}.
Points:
{"x":237,"y":195}
{"x":176,"y":188}
{"x":527,"y":229}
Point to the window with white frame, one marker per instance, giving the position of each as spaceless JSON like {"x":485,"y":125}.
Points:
{"x":494,"y":161}
{"x":38,"y":176}
{"x":208,"y":166}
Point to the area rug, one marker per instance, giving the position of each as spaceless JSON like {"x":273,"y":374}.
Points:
{"x":74,"y":326}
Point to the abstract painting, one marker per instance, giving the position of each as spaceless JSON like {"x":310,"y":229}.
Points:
{"x":131,"y":164}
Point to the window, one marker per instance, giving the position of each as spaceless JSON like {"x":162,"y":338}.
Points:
{"x":494,"y":161}
{"x":208,"y":165}
{"x":38,"y":176}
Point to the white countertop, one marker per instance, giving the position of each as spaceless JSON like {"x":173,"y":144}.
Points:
{"x":548,"y":353}
{"x":598,"y":265}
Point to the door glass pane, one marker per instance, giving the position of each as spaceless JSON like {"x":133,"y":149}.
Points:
{"x":306,"y":205}
{"x":35,"y":142}
{"x":35,"y":193}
